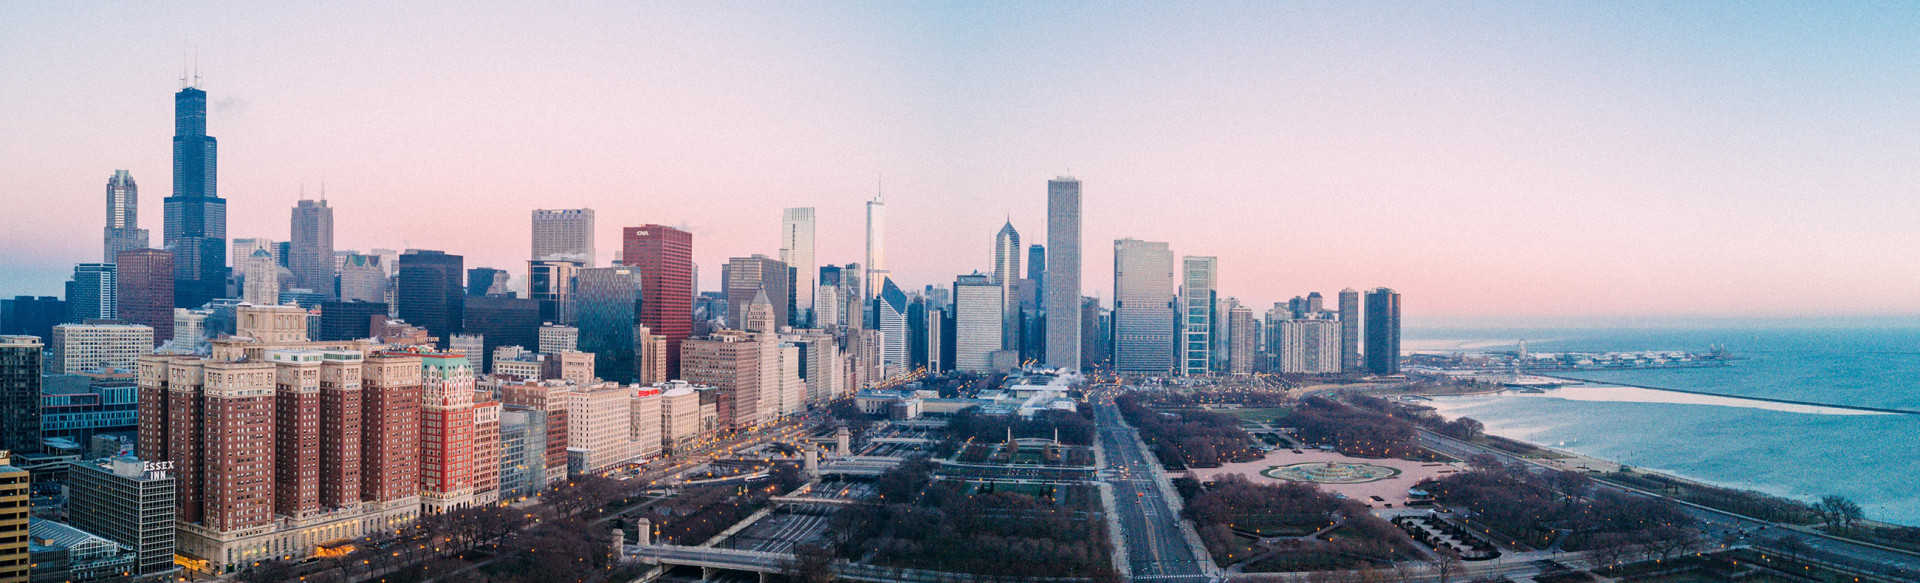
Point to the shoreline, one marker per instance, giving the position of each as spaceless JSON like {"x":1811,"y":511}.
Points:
{"x":1571,"y":460}
{"x":1728,"y":396}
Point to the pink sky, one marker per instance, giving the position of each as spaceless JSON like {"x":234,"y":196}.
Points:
{"x":1502,"y":162}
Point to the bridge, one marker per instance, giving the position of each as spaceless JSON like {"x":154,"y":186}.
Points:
{"x":710,"y":560}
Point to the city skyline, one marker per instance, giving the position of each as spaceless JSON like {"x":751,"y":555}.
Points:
{"x":1578,"y":204}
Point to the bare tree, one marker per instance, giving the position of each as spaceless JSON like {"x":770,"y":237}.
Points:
{"x":1446,"y":564}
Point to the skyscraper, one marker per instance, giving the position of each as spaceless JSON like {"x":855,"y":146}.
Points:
{"x":1349,"y":330}
{"x":1240,"y":351}
{"x":123,"y":232}
{"x":796,"y":250}
{"x":20,"y":370}
{"x":1383,"y":331}
{"x":501,"y":321}
{"x":363,"y":278}
{"x":1006,"y":274}
{"x":1309,"y":346}
{"x":262,"y":279}
{"x":122,"y":501}
{"x":876,"y":265}
{"x":977,"y":306}
{"x":746,"y":276}
{"x":1143,"y":307}
{"x":430,"y":294}
{"x":890,"y":318}
{"x":664,"y":256}
{"x":605,"y":305}
{"x":486,"y":281}
{"x":94,"y":291}
{"x":1037,"y":266}
{"x":311,"y":247}
{"x":146,"y":292}
{"x":563,"y":235}
{"x":1199,"y":278}
{"x":550,"y":282}
{"x":196,"y":216}
{"x":1063,"y":272}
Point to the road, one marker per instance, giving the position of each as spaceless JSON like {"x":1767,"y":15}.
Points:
{"x":1157,"y":550}
{"x":1719,"y":524}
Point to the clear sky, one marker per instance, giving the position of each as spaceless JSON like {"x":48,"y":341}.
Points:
{"x":1491,"y":161}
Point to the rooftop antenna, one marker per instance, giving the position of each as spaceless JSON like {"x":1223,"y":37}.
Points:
{"x":323,"y":191}
{"x":303,"y":191}
{"x":879,"y":187}
{"x":196,"y":66}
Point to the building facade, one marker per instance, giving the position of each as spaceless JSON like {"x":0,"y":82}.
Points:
{"x":796,"y":250}
{"x":1143,"y":307}
{"x":664,"y":256}
{"x":563,"y":235}
{"x":1063,"y":273}
{"x":196,"y":217}
{"x":1383,"y":331}
{"x":146,"y":290}
{"x":311,"y":247}
{"x":1198,"y":286}
{"x":123,"y":232}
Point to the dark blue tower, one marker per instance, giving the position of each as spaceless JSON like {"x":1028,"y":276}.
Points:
{"x":196,"y":216}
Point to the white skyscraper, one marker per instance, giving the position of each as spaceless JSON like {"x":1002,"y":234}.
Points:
{"x":1143,"y":307}
{"x":1309,"y":346}
{"x":876,"y":265}
{"x":977,"y":318}
{"x":262,"y":279}
{"x":1198,"y":281}
{"x":563,"y":235}
{"x":796,"y":250}
{"x":1063,"y":273}
{"x":1006,"y":274}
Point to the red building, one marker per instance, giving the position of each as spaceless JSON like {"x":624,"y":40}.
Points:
{"x":664,"y":256}
{"x":296,"y":434}
{"x":145,"y":290}
{"x":340,"y":428}
{"x":237,"y":432}
{"x":390,"y":428}
{"x":446,"y":431}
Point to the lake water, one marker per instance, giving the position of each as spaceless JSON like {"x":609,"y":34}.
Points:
{"x":1799,"y":451}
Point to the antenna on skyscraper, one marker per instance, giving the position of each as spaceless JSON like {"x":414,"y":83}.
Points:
{"x":196,"y":67}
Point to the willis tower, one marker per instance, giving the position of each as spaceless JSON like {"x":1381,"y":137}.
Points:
{"x":196,"y":216}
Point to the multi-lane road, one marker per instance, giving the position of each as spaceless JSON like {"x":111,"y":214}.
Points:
{"x":1157,"y":549}
{"x":1719,"y":524}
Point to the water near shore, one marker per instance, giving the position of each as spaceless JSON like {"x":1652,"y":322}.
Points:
{"x":1800,"y":451}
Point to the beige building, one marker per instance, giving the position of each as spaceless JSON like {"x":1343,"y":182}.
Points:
{"x":679,"y":416}
{"x":598,"y":420}
{"x":645,"y":427}
{"x":649,"y":356}
{"x":81,"y":348}
{"x":731,"y":362}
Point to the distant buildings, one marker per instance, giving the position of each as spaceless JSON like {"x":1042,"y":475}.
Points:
{"x":1199,"y":278}
{"x":796,"y":250}
{"x":123,"y":232}
{"x":664,"y":256}
{"x":94,"y":291}
{"x":363,"y":278}
{"x":747,"y":276}
{"x":196,"y":216}
{"x":1349,"y":330}
{"x":20,"y":372}
{"x":1309,"y":346}
{"x":1243,"y":330}
{"x":1383,"y":331}
{"x":1143,"y":307}
{"x":564,"y":235}
{"x":977,"y":306}
{"x":1063,"y":273}
{"x":430,"y":294}
{"x":146,"y":290}
{"x":555,"y":339}
{"x":78,"y":348}
{"x":606,"y":307}
{"x":1006,"y":274}
{"x":876,"y":265}
{"x":311,"y":247}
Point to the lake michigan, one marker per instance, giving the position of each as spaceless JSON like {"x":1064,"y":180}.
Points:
{"x":1798,"y":452}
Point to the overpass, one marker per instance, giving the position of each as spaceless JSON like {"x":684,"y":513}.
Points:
{"x":710,"y":560}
